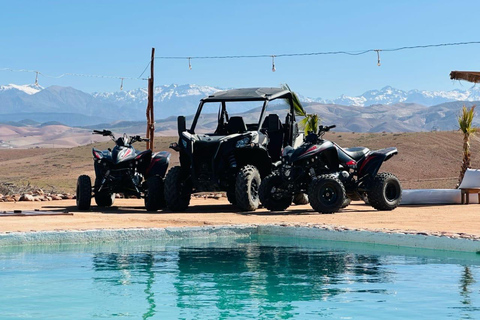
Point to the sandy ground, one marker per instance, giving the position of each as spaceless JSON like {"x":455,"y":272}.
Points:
{"x":130,"y":213}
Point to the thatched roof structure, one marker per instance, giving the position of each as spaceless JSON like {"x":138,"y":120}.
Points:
{"x":470,"y":76}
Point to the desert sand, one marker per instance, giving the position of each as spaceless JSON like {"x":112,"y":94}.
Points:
{"x":447,"y":220}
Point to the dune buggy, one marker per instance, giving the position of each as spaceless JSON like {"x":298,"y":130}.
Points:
{"x":233,"y":148}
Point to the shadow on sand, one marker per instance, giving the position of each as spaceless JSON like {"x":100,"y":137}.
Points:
{"x":209,"y":209}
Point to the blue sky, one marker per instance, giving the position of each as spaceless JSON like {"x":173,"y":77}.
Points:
{"x":115,"y":38}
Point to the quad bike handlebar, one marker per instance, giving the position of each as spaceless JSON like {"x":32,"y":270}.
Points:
{"x":120,"y":141}
{"x":103,"y":132}
{"x":138,"y":138}
{"x":325,"y":128}
{"x":314,"y":137}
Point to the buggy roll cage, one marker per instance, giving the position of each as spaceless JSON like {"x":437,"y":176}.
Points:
{"x":247,"y":94}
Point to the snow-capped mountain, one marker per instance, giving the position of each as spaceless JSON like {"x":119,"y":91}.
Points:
{"x":389,"y":96}
{"x":27,"y":88}
{"x":185,"y":98}
{"x":74,"y":107}
{"x":161,"y":93}
{"x":171,"y":99}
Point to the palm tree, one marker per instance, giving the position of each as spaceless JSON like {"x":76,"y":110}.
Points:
{"x":465,"y":120}
{"x":310,"y":121}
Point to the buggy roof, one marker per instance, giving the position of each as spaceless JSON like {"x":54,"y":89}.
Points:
{"x":248,"y":94}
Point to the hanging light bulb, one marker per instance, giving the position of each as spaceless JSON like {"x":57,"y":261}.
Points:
{"x":273,"y":64}
{"x":378,"y":57}
{"x":36,"y":78}
{"x":189,"y":64}
{"x":121,"y":85}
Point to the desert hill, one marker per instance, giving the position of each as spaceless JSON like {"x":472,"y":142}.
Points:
{"x":425,"y":159}
{"x":388,"y":109}
{"x":46,"y":135}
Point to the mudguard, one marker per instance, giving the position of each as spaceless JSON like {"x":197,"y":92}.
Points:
{"x":143,"y":160}
{"x":369,"y":166}
{"x":159,"y":164}
{"x":101,"y":154}
{"x":102,"y":161}
{"x":97,"y":154}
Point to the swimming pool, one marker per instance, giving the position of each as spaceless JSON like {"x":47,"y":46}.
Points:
{"x":255,"y":277}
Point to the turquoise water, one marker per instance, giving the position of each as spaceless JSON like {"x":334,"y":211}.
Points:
{"x":253,"y":278}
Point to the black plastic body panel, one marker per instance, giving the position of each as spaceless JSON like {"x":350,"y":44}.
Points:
{"x":369,"y":166}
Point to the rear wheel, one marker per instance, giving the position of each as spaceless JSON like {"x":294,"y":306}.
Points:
{"x":177,"y":189}
{"x":247,"y":184}
{"x":84,"y":192}
{"x":326,"y":194}
{"x":154,"y":195}
{"x":385,"y":192}
{"x":346,"y":202}
{"x":104,"y":199}
{"x":300,"y":198}
{"x":271,"y":196}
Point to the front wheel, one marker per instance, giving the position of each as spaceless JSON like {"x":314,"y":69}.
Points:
{"x":385,"y":192}
{"x":271,"y":196}
{"x":154,"y":195}
{"x":104,"y":199}
{"x":84,"y":192}
{"x":326,"y":194}
{"x":246,"y":188}
{"x":177,"y":189}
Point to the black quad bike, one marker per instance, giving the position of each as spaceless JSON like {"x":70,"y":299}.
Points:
{"x":126,"y":170}
{"x":331,"y":176}
{"x":233,"y":153}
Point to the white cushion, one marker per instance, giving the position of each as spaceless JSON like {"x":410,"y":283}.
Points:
{"x":433,"y":196}
{"x":471,"y":180}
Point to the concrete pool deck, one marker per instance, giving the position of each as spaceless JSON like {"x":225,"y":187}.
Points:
{"x":449,"y":227}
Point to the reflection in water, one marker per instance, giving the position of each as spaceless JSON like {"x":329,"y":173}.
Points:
{"x":268,"y":277}
{"x":125,"y":264}
{"x":237,"y":278}
{"x":148,"y":290}
{"x":465,"y":281}
{"x":245,"y":280}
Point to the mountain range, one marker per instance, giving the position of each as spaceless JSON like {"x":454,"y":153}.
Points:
{"x":387,"y":109}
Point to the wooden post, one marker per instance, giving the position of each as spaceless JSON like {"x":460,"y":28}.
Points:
{"x":150,"y":115}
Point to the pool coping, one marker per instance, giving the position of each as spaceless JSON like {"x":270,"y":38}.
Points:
{"x":409,"y":239}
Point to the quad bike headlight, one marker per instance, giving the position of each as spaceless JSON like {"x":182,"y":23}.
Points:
{"x":243,"y":142}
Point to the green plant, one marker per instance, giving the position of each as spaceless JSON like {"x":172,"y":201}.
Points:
{"x":311,"y":121}
{"x":465,"y":124}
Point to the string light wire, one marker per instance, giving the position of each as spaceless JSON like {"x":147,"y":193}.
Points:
{"x":72,"y":74}
{"x":351,"y":53}
{"x":271,"y":56}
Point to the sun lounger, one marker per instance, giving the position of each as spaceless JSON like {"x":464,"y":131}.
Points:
{"x":470,"y":185}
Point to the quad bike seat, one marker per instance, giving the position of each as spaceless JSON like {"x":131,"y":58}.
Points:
{"x":357,"y":153}
{"x":274,"y":127}
{"x":236,"y":125}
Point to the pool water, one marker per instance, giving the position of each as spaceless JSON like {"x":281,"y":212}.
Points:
{"x":260,"y":277}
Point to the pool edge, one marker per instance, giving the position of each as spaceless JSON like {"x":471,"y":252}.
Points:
{"x":397,"y":239}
